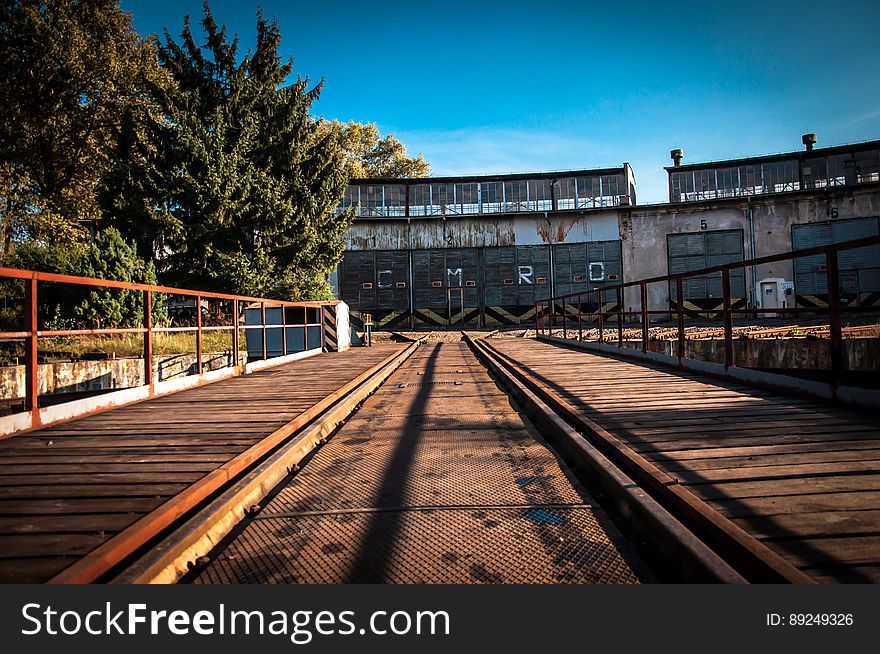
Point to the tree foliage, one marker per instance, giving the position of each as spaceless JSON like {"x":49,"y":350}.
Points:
{"x":108,"y":256}
{"x":71,"y":70}
{"x":367,"y":154}
{"x":243,"y":190}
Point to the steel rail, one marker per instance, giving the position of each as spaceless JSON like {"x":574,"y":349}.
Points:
{"x":671,"y":541}
{"x":102,"y":560}
{"x":754,"y":560}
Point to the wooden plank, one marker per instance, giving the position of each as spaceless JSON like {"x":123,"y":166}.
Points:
{"x":70,"y":482}
{"x":781,"y":473}
{"x":782,"y":488}
{"x":816,"y":552}
{"x":806,"y":503}
{"x":76,"y":505}
{"x":84,"y":491}
{"x":47,"y":471}
{"x":732,"y":439}
{"x":27,"y":545}
{"x":821,"y":523}
{"x":32,"y":569}
{"x":757,"y":463}
{"x":846,"y":574}
{"x":80,"y":523}
{"x":705,"y":455}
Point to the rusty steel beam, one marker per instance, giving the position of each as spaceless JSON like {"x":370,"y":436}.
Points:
{"x":17,"y":273}
{"x":100,"y":561}
{"x":32,"y":382}
{"x":728,"y":319}
{"x":750,"y":557}
{"x":148,"y":340}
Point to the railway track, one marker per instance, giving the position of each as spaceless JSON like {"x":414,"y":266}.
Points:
{"x":782,"y":488}
{"x":478,"y":461}
{"x":81,"y":499}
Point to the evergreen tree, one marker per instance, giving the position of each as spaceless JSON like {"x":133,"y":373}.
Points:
{"x":110,"y":256}
{"x":243,"y":189}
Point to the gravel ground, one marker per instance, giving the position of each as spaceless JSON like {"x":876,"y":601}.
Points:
{"x":665,"y":333}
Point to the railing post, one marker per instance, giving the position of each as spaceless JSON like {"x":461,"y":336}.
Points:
{"x":619,"y":317}
{"x":564,"y":320}
{"x":580,"y":317}
{"x":600,"y":317}
{"x":728,"y":320}
{"x":679,"y":303}
{"x":537,"y":321}
{"x":643,"y":287}
{"x":198,"y":334}
{"x":148,"y":340}
{"x":283,"y":330}
{"x":235,"y":344}
{"x":305,"y":329}
{"x":32,"y":382}
{"x":263,"y":319}
{"x":835,"y":333}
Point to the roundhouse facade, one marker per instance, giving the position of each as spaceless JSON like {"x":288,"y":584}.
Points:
{"x":479,"y":251}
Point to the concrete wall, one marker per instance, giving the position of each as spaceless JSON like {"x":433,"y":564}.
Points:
{"x":484,"y":231}
{"x":109,"y":374}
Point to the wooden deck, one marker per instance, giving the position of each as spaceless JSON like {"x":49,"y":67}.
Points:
{"x":69,"y":488}
{"x":801,"y":476}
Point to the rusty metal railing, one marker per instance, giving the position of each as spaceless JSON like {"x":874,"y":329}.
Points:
{"x":546,"y":310}
{"x":32,"y":333}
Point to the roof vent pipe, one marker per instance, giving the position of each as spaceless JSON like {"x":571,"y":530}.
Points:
{"x":676,"y":155}
{"x":809,"y":140}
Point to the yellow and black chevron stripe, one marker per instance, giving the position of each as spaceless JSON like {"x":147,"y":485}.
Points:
{"x":391,"y":319}
{"x":331,"y":339}
{"x":509,"y":315}
{"x":711,"y":308}
{"x":820,"y":301}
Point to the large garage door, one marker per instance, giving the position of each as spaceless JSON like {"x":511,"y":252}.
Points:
{"x":859,"y":268}
{"x":689,"y":252}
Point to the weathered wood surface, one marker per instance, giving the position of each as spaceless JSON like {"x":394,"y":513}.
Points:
{"x":801,"y":476}
{"x":68,"y":488}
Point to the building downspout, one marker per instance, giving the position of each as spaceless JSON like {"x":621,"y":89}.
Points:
{"x":752,"y":245}
{"x":550,"y":250}
{"x":412,"y":306}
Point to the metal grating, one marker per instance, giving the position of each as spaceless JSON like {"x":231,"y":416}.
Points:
{"x":430,"y":482}
{"x":477,"y":545}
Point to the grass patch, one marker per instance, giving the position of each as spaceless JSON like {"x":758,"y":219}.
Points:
{"x":122,"y":345}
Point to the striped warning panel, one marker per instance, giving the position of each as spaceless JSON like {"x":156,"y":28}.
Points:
{"x":710,"y":307}
{"x":509,"y":315}
{"x":871,"y":299}
{"x":331,"y":339}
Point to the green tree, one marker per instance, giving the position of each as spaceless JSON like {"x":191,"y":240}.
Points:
{"x":241,"y":187}
{"x":110,"y":256}
{"x":71,"y":70}
{"x":367,"y":154}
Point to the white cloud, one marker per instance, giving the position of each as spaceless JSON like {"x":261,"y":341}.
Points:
{"x":864,"y":117}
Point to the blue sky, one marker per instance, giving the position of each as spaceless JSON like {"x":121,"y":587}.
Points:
{"x":486,"y":87}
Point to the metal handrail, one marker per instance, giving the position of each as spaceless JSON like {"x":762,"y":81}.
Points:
{"x":32,"y":333}
{"x":547,"y":307}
